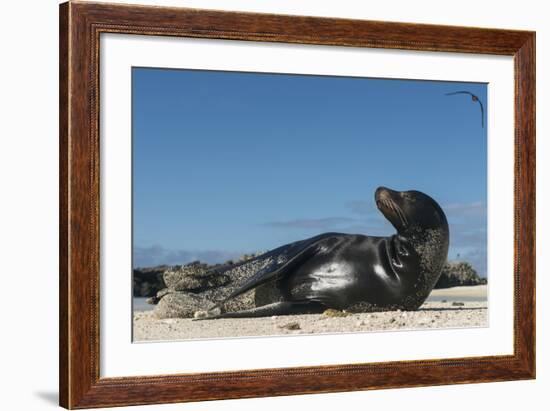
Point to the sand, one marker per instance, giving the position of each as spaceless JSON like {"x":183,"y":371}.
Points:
{"x":458,"y":307}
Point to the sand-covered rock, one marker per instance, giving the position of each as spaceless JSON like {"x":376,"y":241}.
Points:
{"x":179,"y":304}
{"x":194,"y":277}
{"x":198,"y":287}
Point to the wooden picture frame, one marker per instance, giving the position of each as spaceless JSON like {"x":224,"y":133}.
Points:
{"x":80,"y":27}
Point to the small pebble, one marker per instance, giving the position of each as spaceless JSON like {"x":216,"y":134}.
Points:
{"x":200,"y":314}
{"x":169,"y":321}
{"x":335,"y":313}
{"x":457,"y":304}
{"x":291,"y":326}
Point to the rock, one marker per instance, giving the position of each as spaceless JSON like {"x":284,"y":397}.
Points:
{"x":291,"y":326}
{"x":148,"y":281}
{"x":200,"y":314}
{"x":169,"y":321}
{"x":246,"y":257}
{"x":191,"y":277}
{"x":458,"y":273}
{"x":196,"y":287}
{"x":457,"y":304}
{"x":180,"y":305}
{"x":152,"y":300}
{"x":335,"y":313}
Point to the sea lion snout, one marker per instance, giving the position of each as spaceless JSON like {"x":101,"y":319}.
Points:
{"x":382,"y":193}
{"x":388,"y":202}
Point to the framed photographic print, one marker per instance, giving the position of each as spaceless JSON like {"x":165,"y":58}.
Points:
{"x":257,"y":205}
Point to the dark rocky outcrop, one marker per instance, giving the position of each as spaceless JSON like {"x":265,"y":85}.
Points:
{"x":147,"y":282}
{"x":459,"y":273}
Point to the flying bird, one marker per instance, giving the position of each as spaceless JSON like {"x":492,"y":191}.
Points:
{"x":474,"y":99}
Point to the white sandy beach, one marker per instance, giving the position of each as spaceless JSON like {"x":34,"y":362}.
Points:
{"x":472,"y":293}
{"x":456,"y":307}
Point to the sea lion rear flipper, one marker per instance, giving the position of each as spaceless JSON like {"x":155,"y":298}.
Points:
{"x":278,"y":308}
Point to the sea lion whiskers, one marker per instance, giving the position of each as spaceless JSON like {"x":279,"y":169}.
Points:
{"x":388,"y":205}
{"x":391,"y":204}
{"x":402,"y":214}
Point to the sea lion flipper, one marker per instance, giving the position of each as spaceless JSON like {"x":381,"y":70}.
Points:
{"x":278,"y":308}
{"x":263,"y":277}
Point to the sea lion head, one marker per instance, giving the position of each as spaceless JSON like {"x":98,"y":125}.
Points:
{"x":421,"y":227}
{"x":410,"y":210}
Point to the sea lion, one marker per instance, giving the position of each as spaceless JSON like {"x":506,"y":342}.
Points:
{"x":356,"y":272}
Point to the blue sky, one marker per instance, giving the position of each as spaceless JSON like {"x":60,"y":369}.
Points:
{"x":226,"y":163}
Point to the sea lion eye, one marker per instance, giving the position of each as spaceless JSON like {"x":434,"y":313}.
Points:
{"x":409,"y":197}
